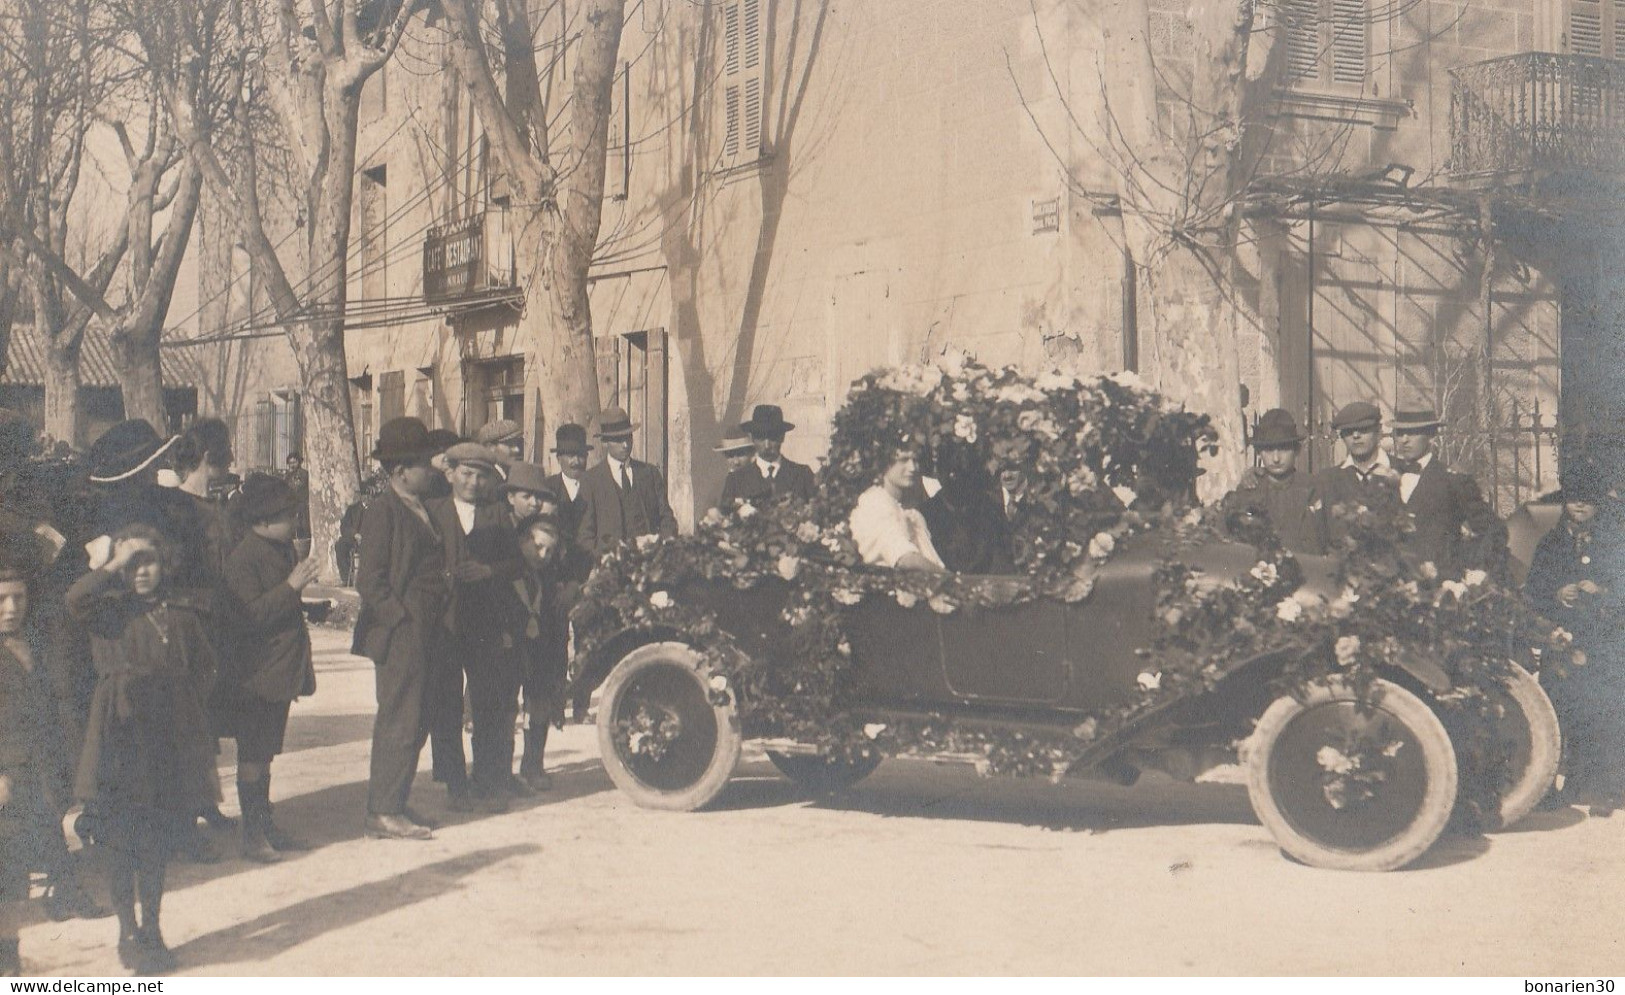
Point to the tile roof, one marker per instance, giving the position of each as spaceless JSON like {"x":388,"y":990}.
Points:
{"x":25,"y":362}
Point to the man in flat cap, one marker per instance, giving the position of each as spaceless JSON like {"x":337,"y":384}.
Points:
{"x":769,"y":476}
{"x":1455,"y":528}
{"x":625,"y":498}
{"x":1276,"y":491}
{"x":482,"y":560}
{"x":1366,"y":476}
{"x":506,"y":440}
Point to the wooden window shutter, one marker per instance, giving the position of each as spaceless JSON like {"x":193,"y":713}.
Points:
{"x":743,"y":88}
{"x":1349,"y":43}
{"x":1301,"y":23}
{"x":607,"y":358}
{"x":1585,"y":27}
{"x":752,"y":109}
{"x":655,"y":409}
{"x":1618,"y":34}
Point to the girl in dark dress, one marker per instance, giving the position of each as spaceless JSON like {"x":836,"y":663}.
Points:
{"x":148,"y":761}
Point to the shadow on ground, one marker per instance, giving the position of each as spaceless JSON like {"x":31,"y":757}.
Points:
{"x":274,"y":933}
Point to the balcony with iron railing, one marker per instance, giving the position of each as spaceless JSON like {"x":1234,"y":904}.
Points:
{"x":470,"y":261}
{"x":1522,"y":118}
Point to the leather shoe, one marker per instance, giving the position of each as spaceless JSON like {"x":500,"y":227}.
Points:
{"x":538,"y":781}
{"x":412,"y":815}
{"x":490,"y":799}
{"x":395,"y":827}
{"x":518,"y":787}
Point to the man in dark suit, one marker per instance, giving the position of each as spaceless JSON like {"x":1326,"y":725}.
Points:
{"x":401,"y":577}
{"x":482,"y":560}
{"x":571,"y":448}
{"x":1454,"y":527}
{"x":624,"y":498}
{"x":1366,"y":476}
{"x":770,"y":476}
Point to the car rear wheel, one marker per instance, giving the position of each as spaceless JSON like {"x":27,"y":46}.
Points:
{"x":1352,"y":784}
{"x":664,"y":740}
{"x":820,"y":775}
{"x":1526,"y":745}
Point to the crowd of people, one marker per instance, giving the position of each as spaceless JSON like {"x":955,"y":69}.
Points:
{"x":141,"y":623}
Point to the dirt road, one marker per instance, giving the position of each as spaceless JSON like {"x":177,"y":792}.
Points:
{"x":921,"y":869}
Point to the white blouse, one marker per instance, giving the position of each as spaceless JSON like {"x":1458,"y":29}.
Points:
{"x":885,"y":531}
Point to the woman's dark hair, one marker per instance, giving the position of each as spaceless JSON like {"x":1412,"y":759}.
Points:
{"x":207,"y":440}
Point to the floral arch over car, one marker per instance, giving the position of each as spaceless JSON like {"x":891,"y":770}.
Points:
{"x":1111,"y":466}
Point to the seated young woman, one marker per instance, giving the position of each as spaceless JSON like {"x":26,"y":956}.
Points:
{"x":887,"y":527}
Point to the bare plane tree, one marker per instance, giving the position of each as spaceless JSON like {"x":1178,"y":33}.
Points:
{"x":556,"y":173}
{"x":299,"y":67}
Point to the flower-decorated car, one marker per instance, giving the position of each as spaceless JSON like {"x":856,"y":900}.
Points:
{"x":1369,"y":699}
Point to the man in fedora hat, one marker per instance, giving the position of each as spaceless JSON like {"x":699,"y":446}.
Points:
{"x":482,"y":560}
{"x":769,"y":476}
{"x":1454,"y":527}
{"x":570,"y":447}
{"x":625,"y":498}
{"x":1276,"y":491}
{"x":401,"y":578}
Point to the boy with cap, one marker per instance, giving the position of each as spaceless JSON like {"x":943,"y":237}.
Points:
{"x":625,"y":498}
{"x":539,"y":636}
{"x":1276,"y":490}
{"x":272,"y":661}
{"x":1455,"y":528}
{"x":401,"y":577}
{"x":769,"y":476}
{"x":482,"y":560}
{"x":1365,"y":477}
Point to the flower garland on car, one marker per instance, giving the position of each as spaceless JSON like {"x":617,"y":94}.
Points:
{"x":1107,"y":460}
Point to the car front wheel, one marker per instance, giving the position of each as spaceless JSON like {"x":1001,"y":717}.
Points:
{"x":665,"y":739}
{"x":1352,"y":783}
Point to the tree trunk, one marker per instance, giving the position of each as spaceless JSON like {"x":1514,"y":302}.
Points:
{"x":62,"y":392}
{"x":329,"y":435}
{"x":561,"y":328}
{"x":141,"y":379}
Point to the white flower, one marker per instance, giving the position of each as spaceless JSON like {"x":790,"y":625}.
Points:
{"x":953,"y":362}
{"x":941,"y":605}
{"x":1307,"y":599}
{"x":1192,"y":517}
{"x":961,"y":392}
{"x":646,"y":542}
{"x":746,"y":509}
{"x":1149,"y":681}
{"x":965,"y":428}
{"x":807,"y":532}
{"x":1017,"y":393}
{"x":874,"y":729}
{"x":1127,"y":378}
{"x":1125,"y":495}
{"x":1055,"y":380}
{"x":846,"y":596}
{"x":1264,"y":572}
{"x":1429,"y":571}
{"x":712,"y":518}
{"x":1473,"y":578}
{"x":719,"y":682}
{"x":1289,"y":610}
{"x":844,"y":648}
{"x":918,"y":380}
{"x":1086,"y":729}
{"x":1454,"y":588}
{"x":1347,"y":650}
{"x":1340,"y":607}
{"x":907,"y":599}
{"x":1333,"y":761}
{"x":661,"y":599}
{"x":1101,"y":545}
{"x":1562,"y":636}
{"x":789,"y":566}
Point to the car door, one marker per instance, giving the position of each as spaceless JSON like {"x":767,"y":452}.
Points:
{"x":1015,"y":654}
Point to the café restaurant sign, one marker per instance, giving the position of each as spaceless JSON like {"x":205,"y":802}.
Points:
{"x":454,"y":259}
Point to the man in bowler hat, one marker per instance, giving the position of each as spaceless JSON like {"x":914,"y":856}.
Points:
{"x":625,"y":497}
{"x":570,"y":447}
{"x":401,"y":578}
{"x":769,"y":476}
{"x":1276,"y":491}
{"x":1455,"y":528}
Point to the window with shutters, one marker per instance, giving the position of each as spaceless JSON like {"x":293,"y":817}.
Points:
{"x":1328,"y":42}
{"x":741,"y":83}
{"x":1595,"y":27}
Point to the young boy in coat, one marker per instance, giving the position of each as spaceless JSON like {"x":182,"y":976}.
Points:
{"x":25,"y":753}
{"x":273,"y":662}
{"x":539,"y":637}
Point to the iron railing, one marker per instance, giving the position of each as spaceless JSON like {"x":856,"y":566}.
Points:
{"x":1538,"y":112}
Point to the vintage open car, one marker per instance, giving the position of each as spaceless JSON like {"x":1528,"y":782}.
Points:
{"x":1042,"y":666}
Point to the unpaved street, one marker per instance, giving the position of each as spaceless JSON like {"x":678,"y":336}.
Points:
{"x":921,"y":869}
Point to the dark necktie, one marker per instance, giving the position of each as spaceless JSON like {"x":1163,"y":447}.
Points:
{"x":626,"y":478}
